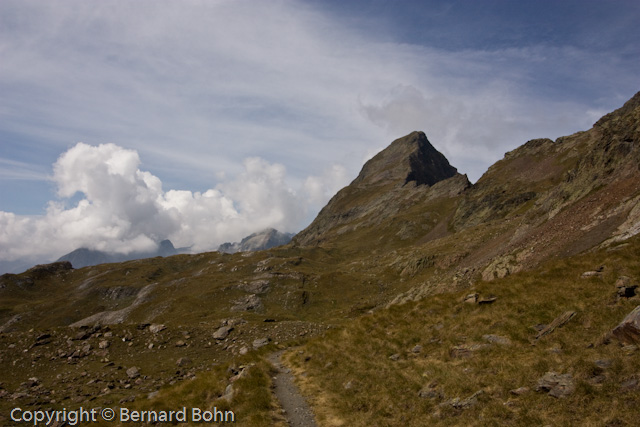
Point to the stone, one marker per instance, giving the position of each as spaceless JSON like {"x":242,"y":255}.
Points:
{"x":463,"y":404}
{"x":625,"y":288}
{"x":260,"y":342}
{"x":156,"y":327}
{"x":628,"y":331}
{"x":249,"y":303}
{"x":228,"y":393}
{"x":471,"y":298}
{"x":557,"y":323}
{"x":520,"y":391}
{"x":133,"y":372}
{"x":556,"y":385}
{"x":183,"y":361}
{"x":416,"y":349}
{"x":497,"y":339}
{"x":590,"y":274}
{"x":487,"y":300}
{"x":395,"y":357}
{"x":604,"y":363}
{"x":222,"y":332}
{"x":431,"y":391}
{"x":104,"y":344}
{"x":465,"y":351}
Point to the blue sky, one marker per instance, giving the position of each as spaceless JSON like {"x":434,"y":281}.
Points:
{"x":232,"y":116}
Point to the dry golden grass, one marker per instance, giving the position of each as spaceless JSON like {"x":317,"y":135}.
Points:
{"x":355,"y":381}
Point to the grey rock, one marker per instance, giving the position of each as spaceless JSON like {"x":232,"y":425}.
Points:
{"x":556,"y":385}
{"x":156,"y":327}
{"x":260,"y":342}
{"x":520,"y":391}
{"x":248,"y":303}
{"x":222,"y":332}
{"x":497,"y":339}
{"x":133,"y":372}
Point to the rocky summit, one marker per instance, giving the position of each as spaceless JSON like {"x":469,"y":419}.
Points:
{"x":414,"y":298}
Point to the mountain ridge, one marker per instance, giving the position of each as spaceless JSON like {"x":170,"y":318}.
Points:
{"x":402,"y":297}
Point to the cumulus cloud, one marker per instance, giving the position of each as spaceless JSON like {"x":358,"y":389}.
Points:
{"x":122,"y":208}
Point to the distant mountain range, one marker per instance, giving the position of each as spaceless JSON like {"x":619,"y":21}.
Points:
{"x":265,"y":239}
{"x":84,"y":257}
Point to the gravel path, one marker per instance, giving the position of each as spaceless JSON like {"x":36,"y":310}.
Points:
{"x":297,"y":412}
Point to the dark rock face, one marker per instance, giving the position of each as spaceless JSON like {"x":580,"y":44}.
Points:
{"x":407,"y":159}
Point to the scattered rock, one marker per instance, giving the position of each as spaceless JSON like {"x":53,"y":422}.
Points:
{"x":260,"y":342}
{"x":463,"y":404}
{"x":471,"y":298}
{"x":465,"y":351}
{"x":604,"y":363}
{"x":228,"y":393}
{"x":628,"y":331}
{"x":181,"y":343}
{"x":395,"y":357}
{"x":557,"y":323}
{"x":520,"y":391}
{"x":589,"y":274}
{"x":183,"y":361}
{"x":104,"y":344}
{"x":630,"y":384}
{"x":556,"y":385}
{"x":497,"y":339}
{"x":133,"y":372}
{"x":431,"y":391}
{"x":625,"y":288}
{"x":156,"y":327}
{"x":416,"y":349}
{"x":222,"y":332}
{"x":487,"y":300}
{"x":249,"y":303}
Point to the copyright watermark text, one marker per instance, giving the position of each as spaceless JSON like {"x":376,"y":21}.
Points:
{"x":121,"y":415}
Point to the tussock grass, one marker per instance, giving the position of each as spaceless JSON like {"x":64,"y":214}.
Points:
{"x":355,"y":380}
{"x":252,"y":403}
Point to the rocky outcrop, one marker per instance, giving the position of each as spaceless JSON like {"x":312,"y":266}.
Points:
{"x":628,"y":331}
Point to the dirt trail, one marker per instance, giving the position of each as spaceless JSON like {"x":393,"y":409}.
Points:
{"x":297,"y":412}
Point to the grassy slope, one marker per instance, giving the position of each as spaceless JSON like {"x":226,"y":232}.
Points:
{"x":353,"y":381}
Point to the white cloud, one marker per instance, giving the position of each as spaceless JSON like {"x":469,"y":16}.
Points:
{"x":124,"y":209}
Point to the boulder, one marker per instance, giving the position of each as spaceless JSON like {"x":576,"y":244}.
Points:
{"x":133,"y":372}
{"x":628,"y":331}
{"x":222,"y":332}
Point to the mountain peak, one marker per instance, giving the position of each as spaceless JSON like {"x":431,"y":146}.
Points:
{"x":381,"y":189}
{"x":407,"y":159}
